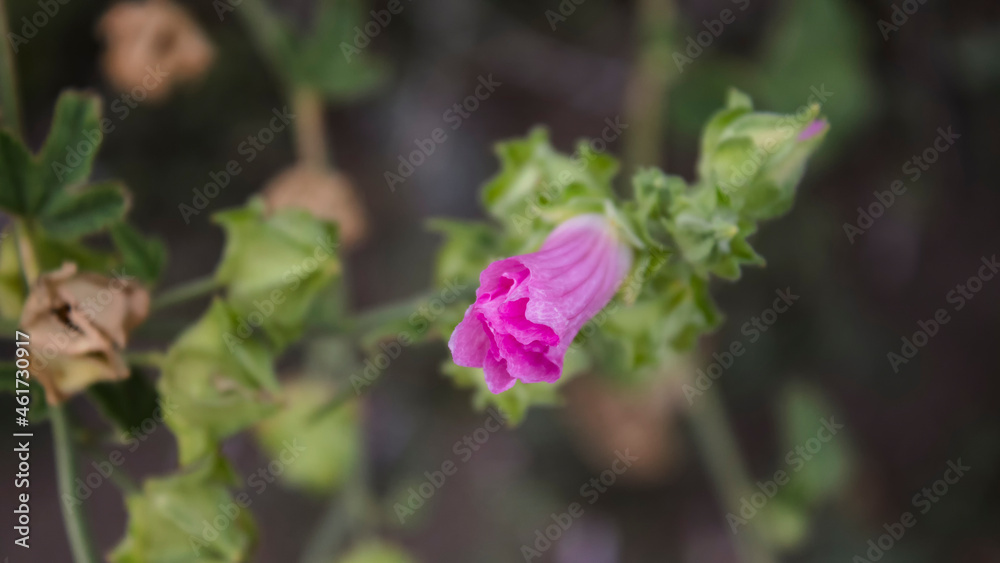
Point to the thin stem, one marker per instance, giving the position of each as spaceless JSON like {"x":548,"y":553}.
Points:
{"x":350,"y":515}
{"x":73,"y":516}
{"x":10,"y":112}
{"x":270,"y":37}
{"x":646,"y":91}
{"x":185,"y":292}
{"x":714,"y":437}
{"x":153,"y":359}
{"x":272,"y":41}
{"x":25,"y":252}
{"x":90,"y":447}
{"x":310,"y":139}
{"x":384,"y":314}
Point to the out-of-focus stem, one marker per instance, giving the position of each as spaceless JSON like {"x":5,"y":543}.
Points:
{"x":310,"y":137}
{"x":270,"y":38}
{"x":26,"y":253}
{"x":10,"y":111}
{"x":350,"y":515}
{"x":73,"y":516}
{"x":272,"y":42}
{"x":190,"y":290}
{"x":714,"y":437}
{"x":646,"y":91}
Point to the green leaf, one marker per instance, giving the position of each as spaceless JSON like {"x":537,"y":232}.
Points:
{"x":52,"y":252}
{"x":18,"y":193}
{"x":328,"y":60}
{"x":74,"y":139}
{"x":128,"y":403}
{"x":188,"y":516}
{"x":141,"y":255}
{"x":72,"y":214}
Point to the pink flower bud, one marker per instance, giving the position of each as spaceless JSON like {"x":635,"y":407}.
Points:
{"x":529,"y":308}
{"x":813,"y":129}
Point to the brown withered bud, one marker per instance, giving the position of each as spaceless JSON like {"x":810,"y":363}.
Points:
{"x":326,"y":194}
{"x":78,"y":325}
{"x":152,"y":45}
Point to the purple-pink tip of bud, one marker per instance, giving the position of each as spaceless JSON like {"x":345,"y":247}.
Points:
{"x":813,"y":129}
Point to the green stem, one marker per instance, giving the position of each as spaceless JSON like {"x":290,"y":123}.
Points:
{"x":647,"y":88}
{"x":272,"y":42}
{"x":185,"y":292}
{"x":25,"y":252}
{"x":310,"y":138}
{"x":73,"y":516}
{"x":10,"y":112}
{"x":350,"y":515}
{"x":714,"y":437}
{"x":153,"y":359}
{"x":384,"y":314}
{"x":271,"y":38}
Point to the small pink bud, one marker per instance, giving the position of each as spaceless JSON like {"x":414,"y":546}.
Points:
{"x":813,"y":129}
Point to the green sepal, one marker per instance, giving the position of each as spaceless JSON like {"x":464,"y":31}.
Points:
{"x":324,"y":444}
{"x":274,"y":266}
{"x":177,"y":519}
{"x":215,"y":382}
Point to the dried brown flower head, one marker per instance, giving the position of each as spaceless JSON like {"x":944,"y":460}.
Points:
{"x":78,"y":325}
{"x":326,"y":194}
{"x":152,"y":45}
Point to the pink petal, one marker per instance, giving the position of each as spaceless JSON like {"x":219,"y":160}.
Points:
{"x":529,"y":308}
